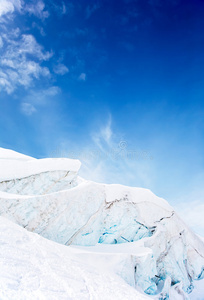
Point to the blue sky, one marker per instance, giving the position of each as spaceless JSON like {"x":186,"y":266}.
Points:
{"x":117,"y":84}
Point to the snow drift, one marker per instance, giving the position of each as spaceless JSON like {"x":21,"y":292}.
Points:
{"x":49,"y":198}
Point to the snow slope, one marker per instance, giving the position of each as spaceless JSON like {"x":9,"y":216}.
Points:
{"x":32,"y":267}
{"x":160,"y":254}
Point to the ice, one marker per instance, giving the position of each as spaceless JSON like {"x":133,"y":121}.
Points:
{"x":42,"y":183}
{"x":135,"y":234}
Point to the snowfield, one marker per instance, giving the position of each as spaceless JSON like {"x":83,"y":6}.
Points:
{"x":117,"y":242}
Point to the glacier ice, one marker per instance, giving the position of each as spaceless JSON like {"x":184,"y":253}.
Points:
{"x":52,"y":200}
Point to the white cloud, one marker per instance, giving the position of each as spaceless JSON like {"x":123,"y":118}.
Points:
{"x":9,"y":6}
{"x":29,"y":45}
{"x":6,"y":7}
{"x":17,"y":3}
{"x":82,"y":77}
{"x":61,"y":69}
{"x":27,"y":109}
{"x":21,"y":61}
{"x":6,"y":85}
{"x":22,"y":57}
{"x":12,"y":35}
{"x":37,"y":10}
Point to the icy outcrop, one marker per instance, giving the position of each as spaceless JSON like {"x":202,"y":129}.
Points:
{"x":60,"y":206}
{"x":42,"y":183}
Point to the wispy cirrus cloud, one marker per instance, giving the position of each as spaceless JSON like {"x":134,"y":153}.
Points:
{"x":104,"y":134}
{"x":109,"y":158}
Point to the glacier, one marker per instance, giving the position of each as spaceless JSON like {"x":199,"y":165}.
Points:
{"x":136,"y":234}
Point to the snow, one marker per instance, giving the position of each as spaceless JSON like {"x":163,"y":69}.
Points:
{"x":32,"y":267}
{"x":10,"y":154}
{"x":138,"y":195}
{"x":125,"y":232}
{"x":14,"y":165}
